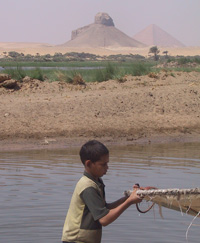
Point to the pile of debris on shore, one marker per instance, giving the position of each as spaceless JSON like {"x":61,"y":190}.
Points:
{"x":7,"y":82}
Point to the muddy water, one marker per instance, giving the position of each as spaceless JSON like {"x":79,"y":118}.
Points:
{"x":36,"y":187}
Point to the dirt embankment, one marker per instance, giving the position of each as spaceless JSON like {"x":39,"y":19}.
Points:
{"x":163,"y":107}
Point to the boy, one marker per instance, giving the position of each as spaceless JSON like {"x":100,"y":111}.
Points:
{"x":88,"y":210}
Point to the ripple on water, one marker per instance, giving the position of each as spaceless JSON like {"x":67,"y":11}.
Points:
{"x":36,"y":188}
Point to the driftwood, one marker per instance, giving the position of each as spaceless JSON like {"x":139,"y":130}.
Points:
{"x":184,"y":200}
{"x":174,"y":192}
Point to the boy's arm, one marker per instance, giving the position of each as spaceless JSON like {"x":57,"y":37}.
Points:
{"x":117,"y":211}
{"x":123,"y":199}
{"x":116,"y":203}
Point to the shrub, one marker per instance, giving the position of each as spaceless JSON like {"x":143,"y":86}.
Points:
{"x":14,"y":54}
{"x":16,"y":73}
{"x":105,"y":74}
{"x":78,"y":79}
{"x":37,"y":74}
{"x":99,"y":75}
{"x":139,"y":69}
{"x":109,"y":71}
{"x":70,"y":77}
{"x":197,"y":59}
{"x":184,"y":60}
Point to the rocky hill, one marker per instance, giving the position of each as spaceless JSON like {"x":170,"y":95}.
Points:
{"x":101,"y":33}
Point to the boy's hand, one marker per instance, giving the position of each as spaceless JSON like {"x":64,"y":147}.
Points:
{"x":134,"y":198}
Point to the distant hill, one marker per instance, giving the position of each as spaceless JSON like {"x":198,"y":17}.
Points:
{"x":154,"y":35}
{"x":102,"y":33}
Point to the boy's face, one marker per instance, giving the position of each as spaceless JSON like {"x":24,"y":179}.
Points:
{"x":98,"y":168}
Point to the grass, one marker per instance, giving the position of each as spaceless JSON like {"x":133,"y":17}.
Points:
{"x":18,"y":73}
{"x":103,"y":70}
{"x":53,"y":64}
{"x":139,"y":69}
{"x":185,"y":60}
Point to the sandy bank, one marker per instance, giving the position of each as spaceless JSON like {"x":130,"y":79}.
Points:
{"x":165,"y":108}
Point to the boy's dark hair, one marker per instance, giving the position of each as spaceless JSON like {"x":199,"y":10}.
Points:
{"x":93,"y":150}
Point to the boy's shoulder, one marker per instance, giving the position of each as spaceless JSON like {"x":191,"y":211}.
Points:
{"x":84,"y":183}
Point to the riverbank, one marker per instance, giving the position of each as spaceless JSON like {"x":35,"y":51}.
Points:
{"x":17,"y":144}
{"x":149,"y":109}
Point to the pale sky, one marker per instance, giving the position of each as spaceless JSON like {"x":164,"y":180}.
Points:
{"x":51,"y":21}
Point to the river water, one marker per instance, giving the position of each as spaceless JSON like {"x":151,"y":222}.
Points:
{"x":49,"y":68}
{"x":36,"y":187}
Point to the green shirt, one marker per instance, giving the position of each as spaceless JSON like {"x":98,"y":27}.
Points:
{"x":86,"y":208}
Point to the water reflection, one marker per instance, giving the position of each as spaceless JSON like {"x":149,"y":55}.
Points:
{"x":36,"y":188}
{"x":50,"y":68}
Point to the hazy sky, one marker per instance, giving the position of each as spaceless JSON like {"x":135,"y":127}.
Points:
{"x":51,"y":21}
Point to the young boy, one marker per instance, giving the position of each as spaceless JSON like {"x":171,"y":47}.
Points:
{"x":88,"y":210}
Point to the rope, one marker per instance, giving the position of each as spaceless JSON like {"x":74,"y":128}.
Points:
{"x":137,"y":205}
{"x":145,"y":211}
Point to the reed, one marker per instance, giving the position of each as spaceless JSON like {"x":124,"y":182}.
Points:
{"x":102,"y":71}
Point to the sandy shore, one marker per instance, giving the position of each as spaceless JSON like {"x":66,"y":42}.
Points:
{"x":46,"y":115}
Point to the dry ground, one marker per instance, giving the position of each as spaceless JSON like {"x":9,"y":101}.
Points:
{"x":143,"y":109}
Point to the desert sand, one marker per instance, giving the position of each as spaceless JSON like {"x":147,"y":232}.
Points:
{"x":162,"y":108}
{"x":43,"y":48}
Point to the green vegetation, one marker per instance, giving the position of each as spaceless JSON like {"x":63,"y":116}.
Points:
{"x":184,"y":60}
{"x":155,"y":51}
{"x":84,"y":67}
{"x":18,"y":73}
{"x":102,"y":73}
{"x":66,"y":59}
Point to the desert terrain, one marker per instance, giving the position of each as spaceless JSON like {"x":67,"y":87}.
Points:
{"x":146,"y":109}
{"x":43,"y":48}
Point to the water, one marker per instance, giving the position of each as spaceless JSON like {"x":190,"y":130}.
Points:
{"x":36,"y":188}
{"x":49,"y":68}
